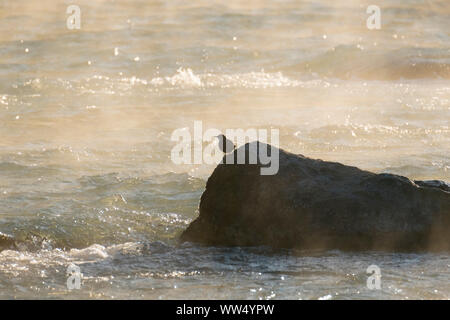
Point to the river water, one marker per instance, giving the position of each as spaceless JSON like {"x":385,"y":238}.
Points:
{"x":86,"y":117}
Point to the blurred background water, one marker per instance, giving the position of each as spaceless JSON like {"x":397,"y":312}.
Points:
{"x":86,"y":118}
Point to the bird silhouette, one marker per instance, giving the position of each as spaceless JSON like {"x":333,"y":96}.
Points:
{"x":225,"y":145}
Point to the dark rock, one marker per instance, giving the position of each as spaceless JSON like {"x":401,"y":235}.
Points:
{"x":434,"y":184}
{"x":315,"y":204}
{"x":6,"y":242}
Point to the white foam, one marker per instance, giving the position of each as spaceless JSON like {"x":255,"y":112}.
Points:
{"x":92,"y":252}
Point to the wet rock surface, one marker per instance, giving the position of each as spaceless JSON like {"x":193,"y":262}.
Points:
{"x":315,"y":204}
{"x":6,"y":242}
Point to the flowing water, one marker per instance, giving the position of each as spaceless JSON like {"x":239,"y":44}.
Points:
{"x":86,"y":118}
